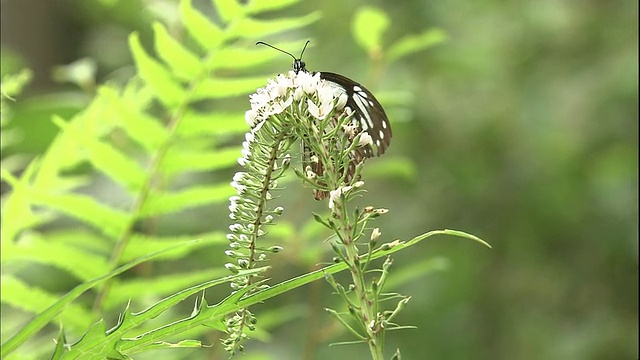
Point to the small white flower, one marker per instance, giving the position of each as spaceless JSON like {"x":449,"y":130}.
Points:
{"x":280,"y":105}
{"x":334,"y":196}
{"x":239,"y":187}
{"x":350,"y":130}
{"x":308,"y":82}
{"x":249,"y":137}
{"x":233,"y":207}
{"x":313,"y":109}
{"x":239,"y":176}
{"x":298,"y":93}
{"x":259,"y":99}
{"x":364,"y":139}
{"x":375,"y":234}
{"x":320,"y":112}
{"x":250,"y":117}
{"x":325,"y":95}
{"x":310,"y":174}
{"x":342,"y":101}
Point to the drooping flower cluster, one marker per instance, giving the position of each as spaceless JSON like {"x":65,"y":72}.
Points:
{"x":290,"y":107}
{"x":321,"y":97}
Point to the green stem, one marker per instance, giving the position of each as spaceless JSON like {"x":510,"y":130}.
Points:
{"x":367,"y":306}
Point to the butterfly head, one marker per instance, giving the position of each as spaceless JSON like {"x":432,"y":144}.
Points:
{"x":298,"y":64}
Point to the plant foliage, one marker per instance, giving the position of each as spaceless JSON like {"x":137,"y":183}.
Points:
{"x":144,"y":138}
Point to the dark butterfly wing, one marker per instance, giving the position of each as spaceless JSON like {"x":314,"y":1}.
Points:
{"x":370,"y":117}
{"x":368,"y":112}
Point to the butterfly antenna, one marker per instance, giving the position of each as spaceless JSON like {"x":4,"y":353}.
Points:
{"x":273,"y":47}
{"x":304,"y":48}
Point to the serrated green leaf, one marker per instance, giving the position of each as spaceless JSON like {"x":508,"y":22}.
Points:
{"x":202,"y":124}
{"x":109,"y":221}
{"x":165,"y":87}
{"x":51,"y":312}
{"x":248,"y":28}
{"x":183,"y":160}
{"x":368,"y":26}
{"x":414,"y":43}
{"x":183,"y":63}
{"x":166,"y":203}
{"x":219,"y":88}
{"x":142,"y":128}
{"x":107,"y":159}
{"x":207,"y":34}
{"x":132,"y":321}
{"x":238,"y":300}
{"x":258,"y":6}
{"x":228,"y":9}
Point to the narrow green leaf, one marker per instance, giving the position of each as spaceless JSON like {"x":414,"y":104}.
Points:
{"x":258,"y":6}
{"x":254,"y":28}
{"x":204,"y":124}
{"x":182,"y":62}
{"x":166,"y":203}
{"x":179,"y":161}
{"x":49,"y":314}
{"x":219,"y":88}
{"x":368,"y":26}
{"x":396,"y":246}
{"x":228,"y":10}
{"x":414,"y":43}
{"x":165,"y":87}
{"x":208,"y":35}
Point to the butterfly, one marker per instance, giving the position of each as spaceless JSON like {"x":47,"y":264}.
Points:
{"x":366,"y":110}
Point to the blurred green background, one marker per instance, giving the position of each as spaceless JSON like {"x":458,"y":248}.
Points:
{"x":522,"y":129}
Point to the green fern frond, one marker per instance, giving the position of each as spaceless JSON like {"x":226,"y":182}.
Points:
{"x":159,"y":127}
